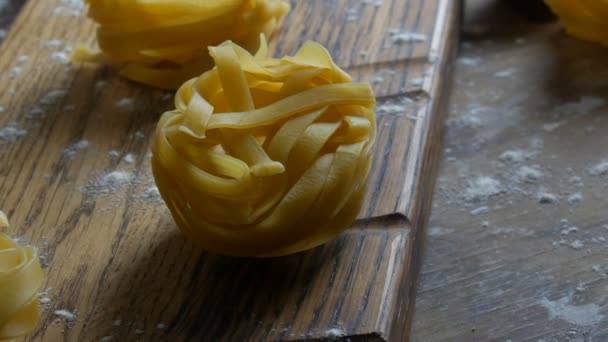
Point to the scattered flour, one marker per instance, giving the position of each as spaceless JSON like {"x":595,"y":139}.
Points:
{"x":515,"y":156}
{"x":600,"y":169}
{"x":352,"y":14}
{"x":375,"y":3}
{"x":73,"y":149}
{"x":129,"y":158}
{"x":161,"y":326}
{"x":60,"y":57}
{"x":53,"y":43}
{"x":480,"y":210}
{"x":400,"y":107}
{"x":546,"y":198}
{"x":469,"y":61}
{"x":401,"y":37}
{"x":575,"y":198}
{"x":11,"y":132}
{"x":577,"y":244}
{"x":125,"y":103}
{"x":569,"y":230}
{"x":53,"y":97}
{"x":22,"y":59}
{"x":50,"y":99}
{"x":564,"y":309}
{"x":44,"y":300}
{"x":552,"y":126}
{"x":334,"y":334}
{"x":15,"y":71}
{"x":72,"y":8}
{"x":151,"y":194}
{"x":505,"y":73}
{"x":114,"y":154}
{"x":107,"y":339}
{"x":115,"y":179}
{"x":65,"y":315}
{"x":437,"y":231}
{"x":482,"y":188}
{"x":529,"y":174}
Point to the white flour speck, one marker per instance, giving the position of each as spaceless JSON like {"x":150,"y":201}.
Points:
{"x":115,"y":179}
{"x":15,"y":71}
{"x":546,"y":198}
{"x":483,"y":187}
{"x":11,"y":132}
{"x":564,"y":309}
{"x":575,"y":198}
{"x":469,"y":61}
{"x":129,"y":158}
{"x":505,"y":73}
{"x":577,"y":244}
{"x":515,"y":156}
{"x":73,"y":149}
{"x":60,"y":57}
{"x":161,"y":326}
{"x":402,"y":37}
{"x":151,"y":194}
{"x":437,"y":231}
{"x":53,"y":97}
{"x":107,"y":339}
{"x":53,"y":43}
{"x":480,"y":210}
{"x":529,"y":174}
{"x":65,"y":315}
{"x":334,"y":333}
{"x":23,"y":58}
{"x":600,"y":169}
{"x":569,"y":230}
{"x":125,"y":104}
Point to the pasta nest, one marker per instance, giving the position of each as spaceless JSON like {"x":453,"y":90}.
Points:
{"x":586,"y":19}
{"x":20,"y":281}
{"x":164,"y":43}
{"x":264,"y":156}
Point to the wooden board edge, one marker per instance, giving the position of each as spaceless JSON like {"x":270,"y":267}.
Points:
{"x":418,"y":214}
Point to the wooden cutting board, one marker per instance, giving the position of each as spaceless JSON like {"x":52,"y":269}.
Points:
{"x":76,"y":182}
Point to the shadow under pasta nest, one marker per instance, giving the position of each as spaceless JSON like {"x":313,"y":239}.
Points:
{"x":176,"y":292}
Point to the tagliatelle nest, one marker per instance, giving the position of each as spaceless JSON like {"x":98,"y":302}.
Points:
{"x":265,"y":156}
{"x":586,"y":19}
{"x":20,"y":281}
{"x":164,"y":43}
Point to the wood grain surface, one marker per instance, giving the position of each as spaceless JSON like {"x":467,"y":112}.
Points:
{"x":76,"y":182}
{"x":506,"y":267}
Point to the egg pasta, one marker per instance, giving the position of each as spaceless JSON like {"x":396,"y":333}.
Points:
{"x":265,"y":156}
{"x":163,"y":43}
{"x":20,"y":281}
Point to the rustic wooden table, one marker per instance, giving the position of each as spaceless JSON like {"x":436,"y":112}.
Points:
{"x":527,"y":124}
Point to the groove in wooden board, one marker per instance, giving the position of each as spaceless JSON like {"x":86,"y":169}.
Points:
{"x":113,"y":255}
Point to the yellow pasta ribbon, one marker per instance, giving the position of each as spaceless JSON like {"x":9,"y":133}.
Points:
{"x":20,"y":281}
{"x":586,"y":19}
{"x":163,"y":43}
{"x":266,"y":156}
